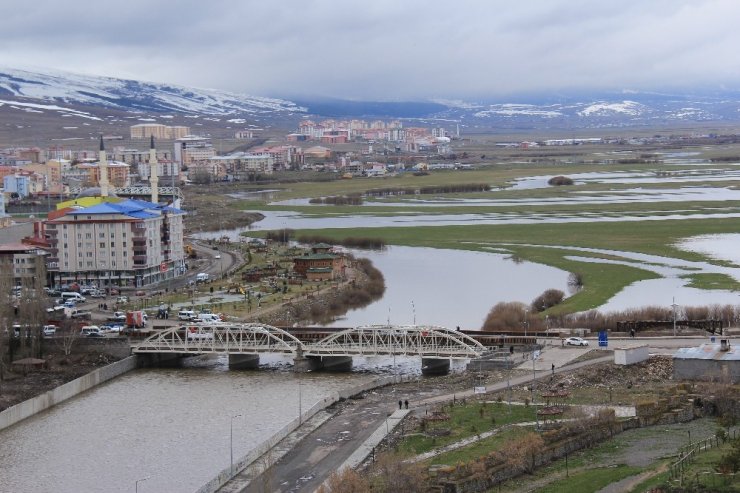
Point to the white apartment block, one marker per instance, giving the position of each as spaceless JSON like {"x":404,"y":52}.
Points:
{"x":191,"y":149}
{"x":130,"y":243}
{"x":240,"y":166}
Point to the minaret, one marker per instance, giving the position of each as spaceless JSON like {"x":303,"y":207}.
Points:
{"x":103,"y":168}
{"x":153,"y":172}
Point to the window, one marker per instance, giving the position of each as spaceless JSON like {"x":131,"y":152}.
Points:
{"x":113,"y":244}
{"x":124,"y":244}
{"x":88,"y":236}
{"x":101,"y":235}
{"x":89,"y":254}
{"x":102,"y":244}
{"x":79,"y":236}
{"x":65,"y":246}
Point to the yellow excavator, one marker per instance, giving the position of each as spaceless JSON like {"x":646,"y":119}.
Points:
{"x":190,"y":251}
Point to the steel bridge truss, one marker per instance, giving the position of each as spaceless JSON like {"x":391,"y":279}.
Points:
{"x":253,"y":338}
{"x":221,"y":338}
{"x":405,"y":340}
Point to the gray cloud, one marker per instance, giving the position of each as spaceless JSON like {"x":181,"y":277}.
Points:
{"x":383,"y":49}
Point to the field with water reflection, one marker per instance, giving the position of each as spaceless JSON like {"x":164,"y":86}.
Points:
{"x":616,"y":211}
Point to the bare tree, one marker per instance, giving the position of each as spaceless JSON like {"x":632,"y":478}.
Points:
{"x":69,"y":336}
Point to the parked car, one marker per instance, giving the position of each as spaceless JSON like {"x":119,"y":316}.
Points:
{"x":69,"y":304}
{"x":98,"y":293}
{"x":118,"y":317}
{"x":122,"y":299}
{"x":49,"y":330}
{"x":217,"y":256}
{"x":89,"y":330}
{"x":576,"y":341}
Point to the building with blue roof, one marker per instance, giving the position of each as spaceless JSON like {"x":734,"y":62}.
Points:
{"x":124,"y":243}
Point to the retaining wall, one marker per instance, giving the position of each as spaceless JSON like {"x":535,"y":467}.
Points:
{"x":226,"y":474}
{"x":30,"y":407}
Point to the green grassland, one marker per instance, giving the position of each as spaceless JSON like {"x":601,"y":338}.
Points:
{"x":550,"y":243}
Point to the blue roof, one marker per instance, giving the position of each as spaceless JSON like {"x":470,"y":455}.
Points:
{"x":139,"y":209}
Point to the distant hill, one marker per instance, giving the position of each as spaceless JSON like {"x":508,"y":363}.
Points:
{"x":28,"y":100}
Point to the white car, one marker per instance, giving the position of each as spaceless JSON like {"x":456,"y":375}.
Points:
{"x":576,"y":341}
{"x":49,"y":330}
{"x":217,"y":256}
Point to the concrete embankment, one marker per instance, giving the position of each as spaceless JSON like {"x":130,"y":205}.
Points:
{"x":33,"y":406}
{"x":267,"y":446}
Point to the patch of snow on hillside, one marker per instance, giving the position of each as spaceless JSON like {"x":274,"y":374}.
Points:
{"x":49,"y":107}
{"x":510,"y":109}
{"x":631,"y":108}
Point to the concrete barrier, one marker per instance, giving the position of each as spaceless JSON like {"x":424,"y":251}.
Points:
{"x":227,"y":473}
{"x":30,"y":407}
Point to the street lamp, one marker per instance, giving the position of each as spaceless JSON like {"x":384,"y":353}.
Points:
{"x":231,"y":442}
{"x":526,"y":312}
{"x":136,"y":484}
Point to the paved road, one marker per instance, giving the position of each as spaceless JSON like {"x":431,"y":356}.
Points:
{"x":324,"y":449}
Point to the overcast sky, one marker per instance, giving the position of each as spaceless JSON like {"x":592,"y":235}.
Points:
{"x":383,"y":49}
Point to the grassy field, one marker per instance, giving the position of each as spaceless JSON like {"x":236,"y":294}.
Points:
{"x":632,"y":227}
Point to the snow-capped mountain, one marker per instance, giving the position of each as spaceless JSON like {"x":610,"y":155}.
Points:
{"x":67,"y":88}
{"x":82,"y":98}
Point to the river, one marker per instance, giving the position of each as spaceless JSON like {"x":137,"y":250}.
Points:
{"x":170,"y":425}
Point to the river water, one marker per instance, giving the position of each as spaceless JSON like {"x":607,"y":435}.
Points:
{"x":171,"y":425}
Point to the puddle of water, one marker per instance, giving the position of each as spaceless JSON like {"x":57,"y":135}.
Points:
{"x":720,"y":247}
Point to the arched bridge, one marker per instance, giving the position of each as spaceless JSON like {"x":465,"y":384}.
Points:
{"x":254,"y":338}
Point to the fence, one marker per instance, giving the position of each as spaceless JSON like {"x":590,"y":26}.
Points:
{"x":688,"y":454}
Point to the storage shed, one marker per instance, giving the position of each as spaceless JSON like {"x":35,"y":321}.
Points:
{"x":712,"y":362}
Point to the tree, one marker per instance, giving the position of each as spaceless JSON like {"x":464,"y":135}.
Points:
{"x":345,"y":481}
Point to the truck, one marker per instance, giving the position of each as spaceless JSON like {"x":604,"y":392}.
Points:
{"x":135,"y":319}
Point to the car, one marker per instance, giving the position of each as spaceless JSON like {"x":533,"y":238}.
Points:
{"x":217,"y":256}
{"x":122,"y":299}
{"x":49,"y":330}
{"x":98,"y":293}
{"x":576,"y":341}
{"x":69,"y":304}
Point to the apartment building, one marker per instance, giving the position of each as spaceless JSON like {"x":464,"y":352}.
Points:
{"x":191,"y":149}
{"x":158,"y":131}
{"x":23,"y":265}
{"x":240,"y":165}
{"x":128,"y":243}
{"x":118,"y":173}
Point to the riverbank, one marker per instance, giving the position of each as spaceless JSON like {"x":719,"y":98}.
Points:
{"x":57,"y":395}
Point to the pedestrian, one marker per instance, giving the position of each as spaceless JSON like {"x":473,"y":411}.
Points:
{"x":400,"y":404}
{"x":553,"y":368}
{"x":406,"y":403}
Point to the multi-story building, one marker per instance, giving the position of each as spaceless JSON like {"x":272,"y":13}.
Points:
{"x":191,"y":149}
{"x":23,"y":265}
{"x":240,"y":165}
{"x":118,"y":173}
{"x":166,"y":170}
{"x":129,"y":243}
{"x":158,"y":131}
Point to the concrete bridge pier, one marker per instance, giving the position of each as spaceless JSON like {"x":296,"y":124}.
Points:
{"x":337,"y":363}
{"x":304,"y":364}
{"x":435,"y":366}
{"x":244,"y":361}
{"x":158,"y":360}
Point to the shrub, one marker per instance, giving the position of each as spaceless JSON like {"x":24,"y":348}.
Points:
{"x":548,"y":299}
{"x":560,"y":180}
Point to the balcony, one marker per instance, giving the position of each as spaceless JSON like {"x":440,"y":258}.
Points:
{"x":139,"y":240}
{"x":139,"y":259}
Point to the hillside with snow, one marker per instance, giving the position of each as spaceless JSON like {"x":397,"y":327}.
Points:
{"x":85,"y":99}
{"x":69,"y":88}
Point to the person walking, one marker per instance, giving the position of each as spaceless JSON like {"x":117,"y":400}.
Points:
{"x":406,"y":403}
{"x":400,"y":404}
